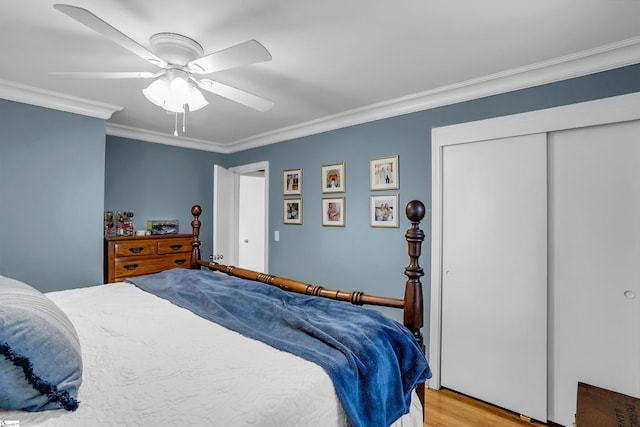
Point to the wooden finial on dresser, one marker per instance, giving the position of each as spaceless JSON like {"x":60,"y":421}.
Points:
{"x":196,"y":210}
{"x":414,"y":314}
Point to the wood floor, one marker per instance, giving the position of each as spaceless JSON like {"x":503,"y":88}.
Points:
{"x":445,"y":408}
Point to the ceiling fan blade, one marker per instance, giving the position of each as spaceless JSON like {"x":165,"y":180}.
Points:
{"x":237,"y":95}
{"x":87,"y":18}
{"x":107,"y":75}
{"x":249,"y":52}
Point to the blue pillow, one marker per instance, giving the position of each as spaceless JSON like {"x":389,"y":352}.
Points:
{"x":40,"y":358}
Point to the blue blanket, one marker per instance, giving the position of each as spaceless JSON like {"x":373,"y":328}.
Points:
{"x":373,"y":361}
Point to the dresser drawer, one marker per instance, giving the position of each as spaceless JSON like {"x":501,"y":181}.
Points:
{"x":132,"y":256}
{"x":171,"y":246}
{"x":137,"y":266}
{"x":135,"y":248}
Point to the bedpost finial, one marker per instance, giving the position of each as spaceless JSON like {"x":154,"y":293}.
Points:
{"x":196,"y":210}
{"x":415,"y":210}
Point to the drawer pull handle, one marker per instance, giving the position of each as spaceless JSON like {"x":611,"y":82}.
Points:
{"x":180,"y":261}
{"x":131,"y":266}
{"x":136,"y":250}
{"x":175,"y":247}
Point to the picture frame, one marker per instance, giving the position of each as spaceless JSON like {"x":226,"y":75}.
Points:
{"x":334,"y":212}
{"x":292,"y":211}
{"x":384,"y":173}
{"x":384,"y":211}
{"x":292,"y":182}
{"x":333,"y":178}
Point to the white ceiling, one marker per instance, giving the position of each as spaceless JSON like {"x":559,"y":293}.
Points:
{"x":335,"y":62}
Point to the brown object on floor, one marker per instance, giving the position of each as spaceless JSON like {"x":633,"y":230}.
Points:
{"x":603,"y":408}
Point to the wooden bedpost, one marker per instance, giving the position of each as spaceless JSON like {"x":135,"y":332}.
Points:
{"x":196,"y":210}
{"x":414,"y":304}
{"x":413,"y":301}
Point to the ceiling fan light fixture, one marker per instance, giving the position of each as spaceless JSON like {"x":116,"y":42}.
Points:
{"x":157,"y":92}
{"x":173,"y":107}
{"x":179,"y":91}
{"x":197,"y":101}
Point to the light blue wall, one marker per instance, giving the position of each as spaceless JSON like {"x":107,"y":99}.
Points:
{"x":56,"y":180}
{"x":51,"y":196}
{"x":158,"y":181}
{"x":372,"y":259}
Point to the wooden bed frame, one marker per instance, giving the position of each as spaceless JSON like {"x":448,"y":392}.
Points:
{"x":412,"y":304}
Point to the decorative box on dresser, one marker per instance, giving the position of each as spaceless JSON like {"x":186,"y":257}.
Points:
{"x":132,"y":256}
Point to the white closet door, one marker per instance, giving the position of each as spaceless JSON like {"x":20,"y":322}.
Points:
{"x":494,"y":267}
{"x":595,"y":263}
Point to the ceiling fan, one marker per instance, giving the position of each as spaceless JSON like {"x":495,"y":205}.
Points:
{"x":181,"y":61}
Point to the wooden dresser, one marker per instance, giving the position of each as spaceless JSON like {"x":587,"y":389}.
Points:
{"x":135,"y":256}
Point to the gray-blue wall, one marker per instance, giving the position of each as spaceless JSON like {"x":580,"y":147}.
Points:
{"x":51,"y":196}
{"x":158,"y":181}
{"x":54,"y":186}
{"x":373,"y":259}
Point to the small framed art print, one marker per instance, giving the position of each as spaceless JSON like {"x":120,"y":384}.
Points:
{"x":292,"y":211}
{"x":384,"y":173}
{"x":292,"y":181}
{"x":384,"y":211}
{"x":333,"y":178}
{"x":333,"y":212}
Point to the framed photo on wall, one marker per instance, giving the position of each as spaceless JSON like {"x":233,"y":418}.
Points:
{"x":384,"y":173}
{"x":292,"y":182}
{"x":333,"y":178}
{"x":333,"y":212}
{"x":384,"y":211}
{"x":292,"y":211}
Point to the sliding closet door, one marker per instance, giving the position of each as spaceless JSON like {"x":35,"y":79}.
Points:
{"x":594,"y":271}
{"x":494,"y":269}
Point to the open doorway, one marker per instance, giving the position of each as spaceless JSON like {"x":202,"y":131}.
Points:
{"x":240,"y":219}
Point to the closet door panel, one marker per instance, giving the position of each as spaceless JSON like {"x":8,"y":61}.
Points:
{"x":594,"y":269}
{"x":494,"y":286}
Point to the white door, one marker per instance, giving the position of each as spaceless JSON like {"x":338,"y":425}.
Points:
{"x":224,"y":215}
{"x":594,"y":273}
{"x":251,"y":224}
{"x":494,"y":272}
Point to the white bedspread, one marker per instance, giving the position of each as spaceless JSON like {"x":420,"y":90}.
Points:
{"x":149,"y":363}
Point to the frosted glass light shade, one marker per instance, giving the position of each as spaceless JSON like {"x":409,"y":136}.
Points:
{"x":179,"y":91}
{"x":157,"y":92}
{"x":197,"y":101}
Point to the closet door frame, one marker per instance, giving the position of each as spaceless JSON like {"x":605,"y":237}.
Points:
{"x":603,"y":111}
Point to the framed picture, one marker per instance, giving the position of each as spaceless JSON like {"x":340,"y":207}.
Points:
{"x":333,"y":212}
{"x":384,"y":173}
{"x":384,"y":211}
{"x":333,"y":178}
{"x":292,"y":181}
{"x":292,"y":211}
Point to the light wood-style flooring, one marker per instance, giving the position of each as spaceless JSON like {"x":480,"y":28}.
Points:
{"x":446,"y":408}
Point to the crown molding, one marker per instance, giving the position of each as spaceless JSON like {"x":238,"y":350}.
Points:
{"x":608,"y":57}
{"x":162,"y":138}
{"x":616,"y":55}
{"x":56,"y":101}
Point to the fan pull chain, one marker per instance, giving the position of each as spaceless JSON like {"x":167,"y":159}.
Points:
{"x":175,"y":132}
{"x":184,"y":118}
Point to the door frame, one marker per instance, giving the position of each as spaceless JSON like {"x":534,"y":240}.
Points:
{"x":246,"y":169}
{"x":603,"y":111}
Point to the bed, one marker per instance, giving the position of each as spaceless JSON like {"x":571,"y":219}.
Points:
{"x":213,"y":345}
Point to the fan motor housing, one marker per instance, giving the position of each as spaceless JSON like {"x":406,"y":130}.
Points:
{"x":175,"y":48}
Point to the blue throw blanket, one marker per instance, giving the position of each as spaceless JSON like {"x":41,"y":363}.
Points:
{"x":373,"y":361}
